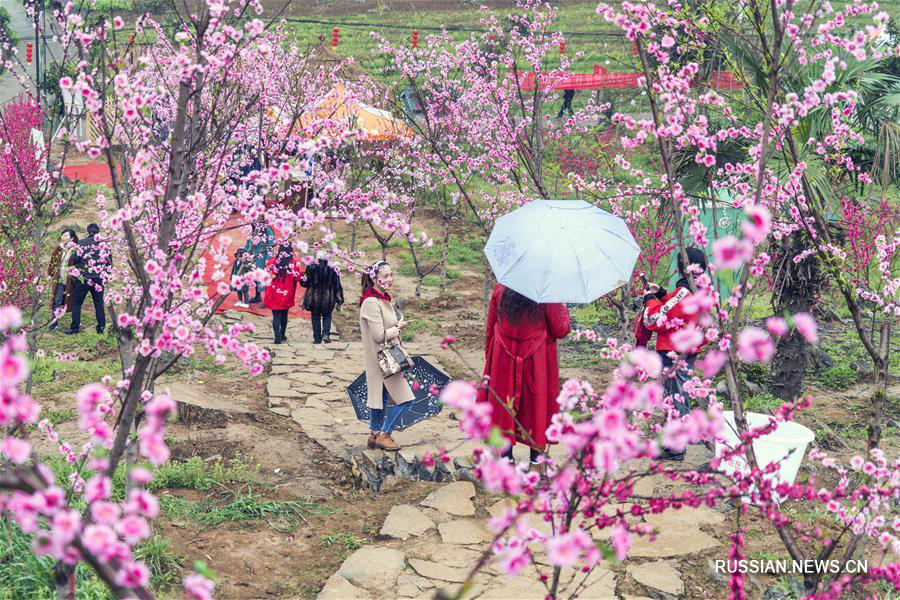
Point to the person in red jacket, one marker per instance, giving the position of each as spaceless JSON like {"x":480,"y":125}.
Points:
{"x":664,"y":315}
{"x":522,"y":366}
{"x":279,"y":295}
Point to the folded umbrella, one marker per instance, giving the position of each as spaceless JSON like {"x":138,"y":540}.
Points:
{"x":426,"y":381}
{"x":561,"y":251}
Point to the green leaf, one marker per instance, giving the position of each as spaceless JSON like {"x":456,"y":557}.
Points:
{"x":606,"y":551}
{"x":495,"y":438}
{"x":201,"y":568}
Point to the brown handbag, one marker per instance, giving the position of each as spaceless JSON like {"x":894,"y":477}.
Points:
{"x":392,"y":357}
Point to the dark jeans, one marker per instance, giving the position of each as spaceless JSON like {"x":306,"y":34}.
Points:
{"x":279,"y":323}
{"x":243,"y":294}
{"x":675,"y":385}
{"x":321,"y":324}
{"x":59,"y":299}
{"x":80,"y":292}
{"x":385,"y":423}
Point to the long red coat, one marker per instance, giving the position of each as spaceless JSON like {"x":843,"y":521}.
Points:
{"x":281,"y":291}
{"x":522,"y":365}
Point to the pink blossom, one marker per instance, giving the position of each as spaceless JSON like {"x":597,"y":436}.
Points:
{"x":648,"y":361}
{"x":806,"y":325}
{"x":564,"y":550}
{"x":16,"y":450}
{"x":459,"y":394}
{"x":98,"y":539}
{"x":777,"y":326}
{"x":731,"y":253}
{"x":667,"y":42}
{"x":197,"y":587}
{"x":755,"y":345}
{"x":621,"y":541}
{"x":712,"y":363}
{"x":133,"y":529}
{"x":98,"y":487}
{"x":105,"y":513}
{"x":758,"y":225}
{"x":687,"y":339}
{"x":132,"y":575}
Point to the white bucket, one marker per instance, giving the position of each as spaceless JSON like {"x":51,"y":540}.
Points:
{"x":770,"y":448}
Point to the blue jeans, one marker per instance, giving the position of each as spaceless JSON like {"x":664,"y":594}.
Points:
{"x":377,"y":419}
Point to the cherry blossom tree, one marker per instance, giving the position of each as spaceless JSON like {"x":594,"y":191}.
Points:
{"x":604,"y":435}
{"x":180,"y":122}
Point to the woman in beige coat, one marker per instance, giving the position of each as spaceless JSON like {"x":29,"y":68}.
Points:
{"x":378,"y":323}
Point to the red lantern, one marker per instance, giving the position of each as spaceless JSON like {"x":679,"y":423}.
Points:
{"x":415,"y":39}
{"x":28,"y":48}
{"x":334,"y":36}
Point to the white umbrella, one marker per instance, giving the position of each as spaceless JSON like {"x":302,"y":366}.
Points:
{"x":561,"y":251}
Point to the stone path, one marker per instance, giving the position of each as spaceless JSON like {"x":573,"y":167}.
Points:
{"x":433,"y":545}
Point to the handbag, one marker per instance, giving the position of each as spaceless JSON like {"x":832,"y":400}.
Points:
{"x":392,"y":357}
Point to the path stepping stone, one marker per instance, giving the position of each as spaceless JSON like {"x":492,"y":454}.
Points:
{"x":659,"y":575}
{"x":454,"y":499}
{"x":685,"y":516}
{"x":413,"y":586}
{"x":672,"y":540}
{"x":373,"y":567}
{"x":433,"y":570}
{"x":462,"y":531}
{"x":405,"y":521}
{"x":338,"y":588}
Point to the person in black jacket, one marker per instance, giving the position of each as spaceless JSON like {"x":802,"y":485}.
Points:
{"x":92,"y":259}
{"x":323,"y":293}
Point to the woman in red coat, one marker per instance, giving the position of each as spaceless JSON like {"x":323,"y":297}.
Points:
{"x":279,"y":295}
{"x":522,"y":366}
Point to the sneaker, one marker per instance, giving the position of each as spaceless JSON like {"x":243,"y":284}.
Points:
{"x":317,"y":341}
{"x":667,"y":454}
{"x":371,"y":441}
{"x":326,"y":339}
{"x":53,"y":326}
{"x":70,"y":331}
{"x":100,"y":330}
{"x":241,"y":305}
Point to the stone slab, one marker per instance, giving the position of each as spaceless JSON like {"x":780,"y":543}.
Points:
{"x":373,"y":567}
{"x":433,"y":570}
{"x":462,"y":531}
{"x":674,"y":540}
{"x":405,"y":521}
{"x":659,"y":575}
{"x":338,"y":588}
{"x":454,"y":499}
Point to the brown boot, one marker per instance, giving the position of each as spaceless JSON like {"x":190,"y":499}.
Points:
{"x":372,"y":437}
{"x":385,"y":442}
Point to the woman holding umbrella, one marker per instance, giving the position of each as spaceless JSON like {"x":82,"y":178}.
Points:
{"x":522,"y":367}
{"x":544,"y":254}
{"x":378,"y":325}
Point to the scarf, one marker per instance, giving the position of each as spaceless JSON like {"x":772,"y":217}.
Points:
{"x":373,"y":293}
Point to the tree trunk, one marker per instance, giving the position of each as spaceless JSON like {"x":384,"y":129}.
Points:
{"x":445,"y":250}
{"x":353,"y":236}
{"x":880,"y":396}
{"x":64,"y":578}
{"x":796,"y":288}
{"x":488,"y":286}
